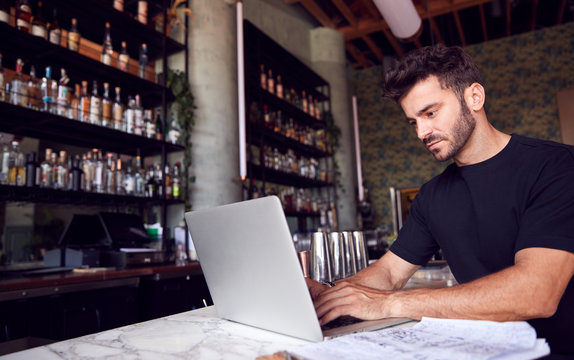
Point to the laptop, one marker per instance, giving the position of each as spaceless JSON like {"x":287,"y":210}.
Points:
{"x":253,"y":273}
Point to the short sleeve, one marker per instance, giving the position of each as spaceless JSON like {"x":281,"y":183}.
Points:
{"x":415,"y":243}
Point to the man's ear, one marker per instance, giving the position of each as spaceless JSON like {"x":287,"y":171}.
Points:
{"x":474,"y":96}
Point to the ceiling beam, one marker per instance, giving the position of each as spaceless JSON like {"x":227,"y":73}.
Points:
{"x":372,"y":9}
{"x":317,"y":13}
{"x":393,"y":41}
{"x":359,"y":56}
{"x":483,"y":22}
{"x":459,"y":28}
{"x":347,"y":13}
{"x":534,"y":8}
{"x":435,"y":30}
{"x":374,"y":48}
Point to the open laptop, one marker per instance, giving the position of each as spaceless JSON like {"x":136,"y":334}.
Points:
{"x":253,"y":273}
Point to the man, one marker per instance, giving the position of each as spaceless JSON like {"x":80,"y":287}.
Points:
{"x":502,"y":213}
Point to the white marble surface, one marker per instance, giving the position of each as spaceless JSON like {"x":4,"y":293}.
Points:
{"x":197,"y":334}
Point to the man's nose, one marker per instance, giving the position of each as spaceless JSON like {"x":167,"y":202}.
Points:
{"x":423,"y":129}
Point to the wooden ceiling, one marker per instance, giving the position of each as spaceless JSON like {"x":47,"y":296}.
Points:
{"x":452,"y":22}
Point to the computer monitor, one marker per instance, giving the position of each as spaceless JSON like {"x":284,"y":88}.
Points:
{"x":125,"y":230}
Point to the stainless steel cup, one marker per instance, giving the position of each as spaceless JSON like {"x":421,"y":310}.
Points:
{"x":320,"y":262}
{"x":349,"y":253}
{"x":335,"y":240}
{"x":361,"y":255}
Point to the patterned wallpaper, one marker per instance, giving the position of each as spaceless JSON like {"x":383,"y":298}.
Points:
{"x":522,"y":75}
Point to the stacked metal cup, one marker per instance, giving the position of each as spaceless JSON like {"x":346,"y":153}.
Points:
{"x":361,"y":254}
{"x":320,"y":262}
{"x":335,"y":240}
{"x":349,"y":254}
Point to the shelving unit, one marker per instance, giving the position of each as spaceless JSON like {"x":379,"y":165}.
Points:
{"x":262,"y":50}
{"x":21,"y":121}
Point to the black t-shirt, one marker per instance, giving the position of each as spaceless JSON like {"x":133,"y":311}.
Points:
{"x":480,"y":215}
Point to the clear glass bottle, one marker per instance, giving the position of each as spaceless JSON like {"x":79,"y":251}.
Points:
{"x":34,"y":91}
{"x":123,"y":60}
{"x":130,"y":115}
{"x":150,"y":186}
{"x":19,"y":86}
{"x":129,"y":180}
{"x":16,"y":171}
{"x":87,"y":170}
{"x":46,"y":170}
{"x":74,"y":36}
{"x":168,"y":183}
{"x":60,"y":172}
{"x":84,"y":113}
{"x":176,"y":187}
{"x":159,"y":184}
{"x":106,"y":107}
{"x":117,"y":111}
{"x":99,"y":171}
{"x":47,"y":88}
{"x":138,"y":117}
{"x":39,"y":26}
{"x":270,"y":82}
{"x":5,"y":168}
{"x":143,"y":61}
{"x":107,"y":49}
{"x":63,"y":102}
{"x":149,"y":124}
{"x":110,"y":179}
{"x":23,"y":15}
{"x":55,"y":33}
{"x":139,"y":178}
{"x":95,"y":106}
{"x":119,"y":175}
{"x":74,"y":111}
{"x":279,"y":87}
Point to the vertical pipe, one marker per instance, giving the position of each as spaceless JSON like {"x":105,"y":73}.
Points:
{"x":241,"y":92}
{"x":358,"y":150}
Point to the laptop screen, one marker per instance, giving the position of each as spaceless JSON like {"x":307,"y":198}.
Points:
{"x":125,"y":230}
{"x":84,"y":231}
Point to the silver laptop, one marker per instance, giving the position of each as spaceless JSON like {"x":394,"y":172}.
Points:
{"x":253,"y":273}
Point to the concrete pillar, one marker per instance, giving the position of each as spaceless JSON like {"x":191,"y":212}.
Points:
{"x":328,"y":60}
{"x":213,"y":78}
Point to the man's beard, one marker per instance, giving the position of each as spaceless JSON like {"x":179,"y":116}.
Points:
{"x":461,"y":132}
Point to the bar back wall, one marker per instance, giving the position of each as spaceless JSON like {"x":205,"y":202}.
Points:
{"x":522,"y":75}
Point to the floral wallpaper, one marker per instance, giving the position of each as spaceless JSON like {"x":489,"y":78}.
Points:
{"x":522,"y":75}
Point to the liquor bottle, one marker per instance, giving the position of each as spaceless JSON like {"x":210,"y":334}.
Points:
{"x":5,"y":169}
{"x":119,"y":5}
{"x":98,"y":182}
{"x":317,"y":110}
{"x":48,"y":94}
{"x":39,"y":26}
{"x":158,"y":127}
{"x":16,"y":174}
{"x":123,"y":58}
{"x":34,"y":91}
{"x":150,"y":186}
{"x":87,"y":170}
{"x":107,"y":49}
{"x":76,"y":175}
{"x":130,"y":115}
{"x":304,"y":104}
{"x":31,"y":170}
{"x":74,"y":36}
{"x":159,"y":184}
{"x":142,"y":11}
{"x":109,"y":177}
{"x":74,"y":112}
{"x":138,"y":117}
{"x":129,"y":180}
{"x":46,"y":170}
{"x":117,"y":111}
{"x":143,"y":61}
{"x":2,"y":81}
{"x":270,"y":82}
{"x":95,"y":106}
{"x":311,"y":105}
{"x":176,"y":187}
{"x":19,"y":86}
{"x":5,"y":11}
{"x":84,"y":113}
{"x":262,"y":77}
{"x":106,"y":107}
{"x":60,"y":172}
{"x":168,"y":183}
{"x":149,"y":124}
{"x":139,"y":178}
{"x":63,"y":102}
{"x":119,"y":175}
{"x":23,"y":15}
{"x":279,"y":86}
{"x":55,"y":33}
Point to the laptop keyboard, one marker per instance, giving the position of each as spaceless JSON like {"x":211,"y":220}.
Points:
{"x":341,"y":321}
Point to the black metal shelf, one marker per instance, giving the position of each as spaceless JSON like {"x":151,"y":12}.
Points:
{"x":41,"y":53}
{"x":54,"y":196}
{"x":262,"y":136}
{"x":283,"y":178}
{"x":41,"y":125}
{"x":93,"y":14}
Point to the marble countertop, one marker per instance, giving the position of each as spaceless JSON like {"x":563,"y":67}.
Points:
{"x":197,"y":334}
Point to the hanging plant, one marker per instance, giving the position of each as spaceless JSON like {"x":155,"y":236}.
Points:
{"x":333,"y":133}
{"x":182,"y":111}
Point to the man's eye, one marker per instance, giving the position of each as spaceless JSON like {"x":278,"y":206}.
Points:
{"x":412,"y":123}
{"x":431,"y":114}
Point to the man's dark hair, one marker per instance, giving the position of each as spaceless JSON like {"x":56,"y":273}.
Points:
{"x":451,"y":65}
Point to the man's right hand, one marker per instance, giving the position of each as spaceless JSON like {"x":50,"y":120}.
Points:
{"x":315,"y":288}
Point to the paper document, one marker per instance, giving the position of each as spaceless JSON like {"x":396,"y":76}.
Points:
{"x":433,"y":339}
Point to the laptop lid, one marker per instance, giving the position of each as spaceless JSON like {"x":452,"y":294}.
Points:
{"x":125,"y":230}
{"x":249,"y":262}
{"x":84,"y":231}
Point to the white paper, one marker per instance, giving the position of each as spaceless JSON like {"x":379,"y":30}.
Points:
{"x":434,"y":339}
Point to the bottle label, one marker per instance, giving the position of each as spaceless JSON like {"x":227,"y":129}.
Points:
{"x":123,"y":62}
{"x":142,"y":12}
{"x":106,"y":113}
{"x":56,"y":36}
{"x":95,"y":110}
{"x":4,"y":16}
{"x":74,"y":41}
{"x":176,"y":191}
{"x":117,"y":117}
{"x":119,"y":5}
{"x":22,"y":23}
{"x":129,"y":121}
{"x":106,"y":59}
{"x":39,"y":30}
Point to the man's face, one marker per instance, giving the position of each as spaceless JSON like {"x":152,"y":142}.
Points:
{"x":441,"y":121}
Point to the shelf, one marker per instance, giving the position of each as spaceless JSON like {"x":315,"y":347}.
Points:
{"x":93,"y":14}
{"x":53,"y":196}
{"x":262,"y":136}
{"x":41,"y":53}
{"x":40,"y":125}
{"x":282,"y":178}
